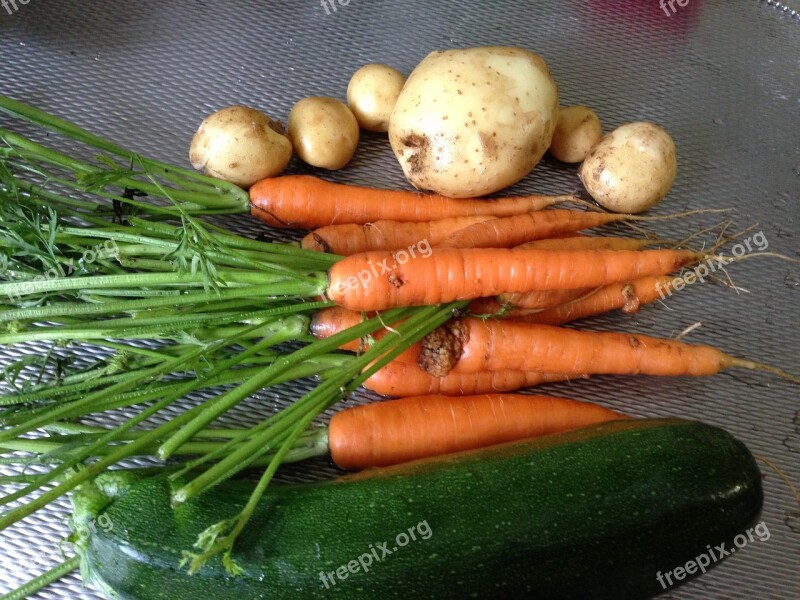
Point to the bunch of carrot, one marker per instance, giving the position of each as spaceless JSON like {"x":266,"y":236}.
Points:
{"x":529,"y":269}
{"x":522,"y":271}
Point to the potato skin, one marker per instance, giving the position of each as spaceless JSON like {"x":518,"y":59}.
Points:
{"x":632,"y":168}
{"x":323,"y":131}
{"x":241,"y":145}
{"x":470,"y":122}
{"x":372,"y":94}
{"x":578,"y":129}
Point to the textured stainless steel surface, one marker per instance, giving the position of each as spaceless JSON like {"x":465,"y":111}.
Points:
{"x":722,"y":76}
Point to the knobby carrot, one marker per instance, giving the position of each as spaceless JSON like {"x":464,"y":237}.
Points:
{"x":628,"y":297}
{"x":473,"y":345}
{"x":349,"y":238}
{"x":383,"y":279}
{"x":404,"y":377}
{"x":512,"y":231}
{"x":401,"y":378}
{"x":508,"y":232}
{"x":396,"y":431}
{"x":306,"y":201}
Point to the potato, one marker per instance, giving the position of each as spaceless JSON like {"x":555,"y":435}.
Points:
{"x":631,"y":168}
{"x":470,"y":122}
{"x":372,"y":93}
{"x":323,"y":131}
{"x":577,"y":130}
{"x":240,"y":145}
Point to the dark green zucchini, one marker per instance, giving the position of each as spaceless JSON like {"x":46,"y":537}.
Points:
{"x":590,"y":514}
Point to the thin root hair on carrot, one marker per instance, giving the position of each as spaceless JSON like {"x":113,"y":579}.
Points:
{"x":688,"y":330}
{"x":722,"y":226}
{"x":743,"y":363}
{"x":782,"y":475}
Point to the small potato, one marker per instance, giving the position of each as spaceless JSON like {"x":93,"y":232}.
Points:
{"x":372,"y":94}
{"x":323,"y":131}
{"x":240,"y":145}
{"x":577,"y":130}
{"x":631,"y":168}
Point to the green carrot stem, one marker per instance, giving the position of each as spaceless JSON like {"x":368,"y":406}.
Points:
{"x":43,"y":580}
{"x":264,"y":435}
{"x":71,"y":309}
{"x":126,"y":384}
{"x":134,"y":280}
{"x":310,"y":444}
{"x":131,"y":328}
{"x":73,"y":131}
{"x":36,"y":153}
{"x":15,"y":515}
{"x":225,"y":544}
{"x":412,"y":330}
{"x":128,"y":450}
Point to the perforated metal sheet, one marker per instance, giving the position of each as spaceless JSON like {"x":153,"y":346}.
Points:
{"x":721,"y":75}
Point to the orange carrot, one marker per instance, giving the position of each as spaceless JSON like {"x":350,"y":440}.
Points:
{"x":473,"y":345}
{"x":384,"y":279}
{"x":404,"y":377}
{"x":401,"y":378}
{"x":349,"y":238}
{"x":540,"y":299}
{"x":550,"y":298}
{"x":499,"y":310}
{"x":330,"y":321}
{"x":584,"y":242}
{"x":306,"y":201}
{"x":512,"y":231}
{"x":628,"y":297}
{"x":396,"y":431}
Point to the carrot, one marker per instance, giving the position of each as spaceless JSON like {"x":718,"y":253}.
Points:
{"x":384,"y":279}
{"x":508,"y":232}
{"x":404,"y":377}
{"x":306,"y":201}
{"x":401,"y":378}
{"x":538,"y":300}
{"x":396,"y":431}
{"x":348,"y":238}
{"x":584,"y":242}
{"x":492,"y":307}
{"x":330,"y":321}
{"x":512,"y":231}
{"x":550,"y":298}
{"x":473,"y":345}
{"x":628,"y":297}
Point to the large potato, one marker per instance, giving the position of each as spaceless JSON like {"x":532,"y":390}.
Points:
{"x":631,"y":168}
{"x":473,"y":121}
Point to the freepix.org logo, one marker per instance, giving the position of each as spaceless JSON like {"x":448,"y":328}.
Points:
{"x":12,"y":6}
{"x":421,"y":249}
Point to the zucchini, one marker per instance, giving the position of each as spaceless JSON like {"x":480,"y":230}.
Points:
{"x":594,"y":513}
